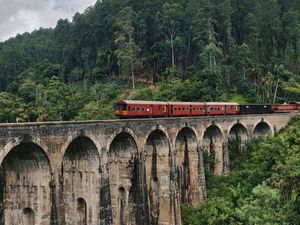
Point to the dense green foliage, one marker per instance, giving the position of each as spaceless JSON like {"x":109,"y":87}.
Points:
{"x":189,"y":50}
{"x":263,"y":186}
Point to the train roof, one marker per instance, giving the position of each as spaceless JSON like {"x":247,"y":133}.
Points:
{"x":255,"y":104}
{"x":186,"y":103}
{"x":173,"y":103}
{"x":142,"y":102}
{"x":222,"y":103}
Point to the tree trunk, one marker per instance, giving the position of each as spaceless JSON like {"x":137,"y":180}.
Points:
{"x":132,"y":75}
{"x":172,"y":48}
{"x":275,"y":93}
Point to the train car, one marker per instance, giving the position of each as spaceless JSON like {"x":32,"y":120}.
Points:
{"x":198,"y":109}
{"x":255,"y":108}
{"x":179,"y":108}
{"x":187,"y":108}
{"x":284,"y":107}
{"x":222,"y":108}
{"x":134,"y":108}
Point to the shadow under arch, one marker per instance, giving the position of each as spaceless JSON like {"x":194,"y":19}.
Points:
{"x":238,"y":133}
{"x":124,"y":164}
{"x":187,"y":166}
{"x":158,"y":169}
{"x":212,"y":144}
{"x":261,"y":130}
{"x":81,"y":179}
{"x":28,"y":217}
{"x":118,"y":133}
{"x":81,"y":212}
{"x":27,"y":175}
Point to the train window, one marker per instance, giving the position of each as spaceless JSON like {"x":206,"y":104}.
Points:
{"x":120,"y":107}
{"x":138,"y":109}
{"x":133,"y":109}
{"x":143,"y":109}
{"x":128,"y":108}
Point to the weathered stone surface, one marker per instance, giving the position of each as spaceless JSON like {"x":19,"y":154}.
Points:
{"x":117,"y":172}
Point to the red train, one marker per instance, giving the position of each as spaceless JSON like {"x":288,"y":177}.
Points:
{"x":135,"y":108}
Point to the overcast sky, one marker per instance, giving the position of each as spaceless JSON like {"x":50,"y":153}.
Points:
{"x":19,"y":16}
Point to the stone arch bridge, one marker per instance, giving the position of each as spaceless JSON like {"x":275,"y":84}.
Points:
{"x":116,"y":172}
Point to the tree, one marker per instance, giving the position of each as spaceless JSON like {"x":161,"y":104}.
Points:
{"x":169,"y":23}
{"x":11,"y":108}
{"x":127,"y":50}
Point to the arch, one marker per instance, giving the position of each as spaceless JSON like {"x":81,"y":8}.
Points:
{"x":120,"y":131}
{"x":28,"y":217}
{"x":82,"y":147}
{"x":123,"y":161}
{"x":157,"y":165}
{"x":80,"y":171}
{"x":159,"y":128}
{"x":123,"y":142}
{"x":187,"y":162}
{"x":191,"y":130}
{"x":73,"y":138}
{"x":214,"y":131}
{"x":158,"y":137}
{"x":238,"y":135}
{"x":240,"y":124}
{"x":10,"y":146}
{"x":81,"y":212}
{"x":27,"y":174}
{"x":262,"y":129}
{"x":212,"y":143}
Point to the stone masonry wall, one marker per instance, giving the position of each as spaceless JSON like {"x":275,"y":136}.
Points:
{"x":117,"y":172}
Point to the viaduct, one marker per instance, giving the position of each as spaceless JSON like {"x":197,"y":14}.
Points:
{"x":117,"y":172}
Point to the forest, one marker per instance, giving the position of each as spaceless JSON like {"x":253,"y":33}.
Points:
{"x":188,"y":50}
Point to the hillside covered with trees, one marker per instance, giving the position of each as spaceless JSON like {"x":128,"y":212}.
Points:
{"x":263,"y":187}
{"x":190,"y":50}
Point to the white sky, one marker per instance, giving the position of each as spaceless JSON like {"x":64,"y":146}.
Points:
{"x":19,"y":16}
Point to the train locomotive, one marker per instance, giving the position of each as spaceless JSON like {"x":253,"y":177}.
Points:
{"x":144,"y":109}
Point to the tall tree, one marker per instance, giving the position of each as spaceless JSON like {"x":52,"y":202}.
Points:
{"x":127,"y":50}
{"x":169,"y":20}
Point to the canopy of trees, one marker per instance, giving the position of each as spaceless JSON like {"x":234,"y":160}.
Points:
{"x":187,"y":49}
